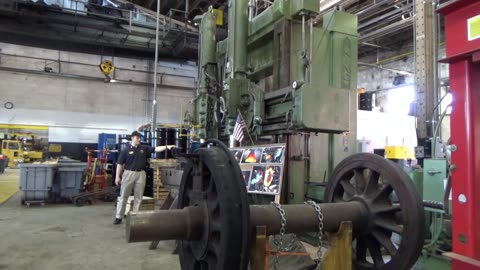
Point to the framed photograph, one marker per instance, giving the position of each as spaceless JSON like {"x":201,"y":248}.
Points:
{"x":271,"y":180}
{"x":262,"y":167}
{"x":252,"y":155}
{"x":256,"y":179}
{"x":237,"y":153}
{"x":246,"y":177}
{"x":273,"y":154}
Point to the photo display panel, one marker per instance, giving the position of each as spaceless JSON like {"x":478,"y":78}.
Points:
{"x":262,"y":167}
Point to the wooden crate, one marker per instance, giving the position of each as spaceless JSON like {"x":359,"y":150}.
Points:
{"x":160,"y":193}
{"x":157,"y":177}
{"x":148,"y":203}
{"x":163,"y":163}
{"x":157,"y":165}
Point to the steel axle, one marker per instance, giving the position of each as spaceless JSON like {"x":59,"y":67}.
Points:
{"x":189,"y":223}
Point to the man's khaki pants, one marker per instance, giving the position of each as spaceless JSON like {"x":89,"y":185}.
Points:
{"x":131,"y":180}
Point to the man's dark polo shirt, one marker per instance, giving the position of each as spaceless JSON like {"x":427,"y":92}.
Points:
{"x":135,"y":158}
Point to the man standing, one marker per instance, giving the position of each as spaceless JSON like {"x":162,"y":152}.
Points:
{"x":133,"y":159}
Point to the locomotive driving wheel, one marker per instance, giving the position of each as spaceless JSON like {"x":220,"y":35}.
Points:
{"x":393,"y":237}
{"x":213,"y":182}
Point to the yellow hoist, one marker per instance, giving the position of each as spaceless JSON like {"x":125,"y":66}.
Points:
{"x":107,"y":67}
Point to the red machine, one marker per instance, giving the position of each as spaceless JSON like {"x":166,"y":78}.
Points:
{"x":462,"y":26}
{"x":95,"y":185}
{"x":96,"y":171}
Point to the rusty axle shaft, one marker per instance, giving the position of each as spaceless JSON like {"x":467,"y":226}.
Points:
{"x":189,"y":223}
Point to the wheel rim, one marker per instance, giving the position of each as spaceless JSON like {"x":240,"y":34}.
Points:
{"x":395,"y":232}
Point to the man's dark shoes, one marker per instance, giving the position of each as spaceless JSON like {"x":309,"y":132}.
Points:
{"x":117,"y":221}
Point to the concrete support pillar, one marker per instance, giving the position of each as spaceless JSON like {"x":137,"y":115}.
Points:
{"x":425,"y":66}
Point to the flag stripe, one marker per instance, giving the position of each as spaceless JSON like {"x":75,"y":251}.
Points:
{"x":239,"y":128}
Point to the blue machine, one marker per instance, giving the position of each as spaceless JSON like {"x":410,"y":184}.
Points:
{"x":107,"y":142}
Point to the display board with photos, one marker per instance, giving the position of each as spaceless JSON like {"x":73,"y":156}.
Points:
{"x":262,"y":167}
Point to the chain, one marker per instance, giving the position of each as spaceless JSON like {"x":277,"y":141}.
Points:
{"x":279,"y":242}
{"x":320,"y":229}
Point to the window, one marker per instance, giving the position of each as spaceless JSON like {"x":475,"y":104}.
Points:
{"x":447,"y":100}
{"x":399,"y":100}
{"x":13,"y":145}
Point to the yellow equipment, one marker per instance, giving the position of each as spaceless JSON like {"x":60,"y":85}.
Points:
{"x":219,"y":13}
{"x":107,"y":67}
{"x":399,"y":152}
{"x":17,"y":152}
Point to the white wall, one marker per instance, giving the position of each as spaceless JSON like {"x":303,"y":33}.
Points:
{"x":376,"y":79}
{"x":78,"y":109}
{"x":384,"y":129}
{"x":381,"y":81}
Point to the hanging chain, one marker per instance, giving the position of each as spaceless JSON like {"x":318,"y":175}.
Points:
{"x":320,"y":230}
{"x":279,"y":242}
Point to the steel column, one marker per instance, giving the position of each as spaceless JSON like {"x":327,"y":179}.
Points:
{"x":464,"y":133}
{"x":155,"y":79}
{"x":463,"y":56}
{"x":204,"y":109}
{"x":424,"y":72}
{"x":238,"y":36}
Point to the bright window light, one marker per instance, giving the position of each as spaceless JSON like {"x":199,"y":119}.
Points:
{"x":399,"y":100}
{"x":445,"y":102}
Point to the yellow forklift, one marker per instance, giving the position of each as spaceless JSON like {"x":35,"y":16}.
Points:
{"x":19,"y":152}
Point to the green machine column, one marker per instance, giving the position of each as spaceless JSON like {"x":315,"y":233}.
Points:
{"x":204,"y":110}
{"x":236,"y":83}
{"x":237,"y":39}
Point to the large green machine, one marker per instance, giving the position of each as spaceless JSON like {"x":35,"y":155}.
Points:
{"x":291,"y":78}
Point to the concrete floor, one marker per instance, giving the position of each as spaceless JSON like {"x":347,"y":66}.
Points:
{"x":8,"y":184}
{"x":63,"y":236}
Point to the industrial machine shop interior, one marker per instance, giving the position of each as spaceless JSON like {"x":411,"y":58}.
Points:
{"x":294,"y":134}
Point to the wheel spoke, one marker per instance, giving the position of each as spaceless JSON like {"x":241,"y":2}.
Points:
{"x":338,"y":197}
{"x":361,"y":250}
{"x":372,"y":182}
{"x":392,"y":209}
{"x":348,"y":188}
{"x":190,"y":195}
{"x":213,"y":249}
{"x":211,"y":260}
{"x":359,"y":180}
{"x":398,"y":217}
{"x":198,"y":178}
{"x":374,"y":249}
{"x":215,"y":226}
{"x":388,"y":225}
{"x":385,"y":242}
{"x":383,"y":192}
{"x":209,"y":185}
{"x":197,"y":265}
{"x":197,"y":184}
{"x":188,"y":261}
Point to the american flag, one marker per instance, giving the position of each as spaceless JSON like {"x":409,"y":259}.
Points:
{"x":239,"y":128}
